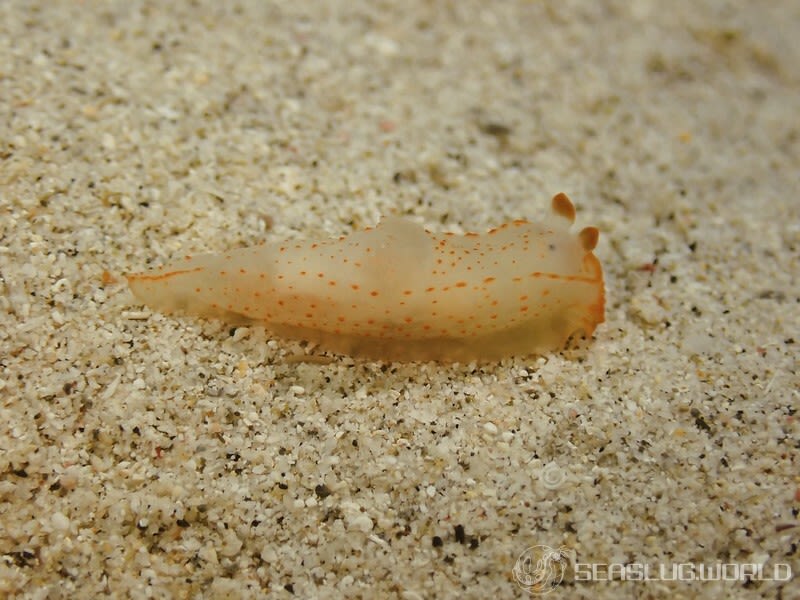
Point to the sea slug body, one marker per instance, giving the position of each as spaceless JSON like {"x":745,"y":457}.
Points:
{"x":399,"y":292}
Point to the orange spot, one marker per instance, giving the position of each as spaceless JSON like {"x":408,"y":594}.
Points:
{"x":489,"y":280}
{"x":408,"y":320}
{"x":373,"y":293}
{"x":406,"y":292}
{"x":354,"y":286}
{"x":648,"y":267}
{"x":331,"y":282}
{"x":461,"y":284}
{"x":242,"y":271}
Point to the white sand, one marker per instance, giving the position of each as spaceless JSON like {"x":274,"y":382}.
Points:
{"x":167,"y":457}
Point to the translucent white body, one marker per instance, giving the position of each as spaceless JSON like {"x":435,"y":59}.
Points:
{"x":399,"y":292}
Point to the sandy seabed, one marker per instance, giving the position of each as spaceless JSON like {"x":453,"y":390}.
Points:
{"x":152,"y":456}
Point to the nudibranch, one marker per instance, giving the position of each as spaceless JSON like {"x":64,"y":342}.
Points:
{"x":400,"y":292}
